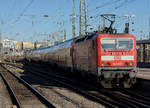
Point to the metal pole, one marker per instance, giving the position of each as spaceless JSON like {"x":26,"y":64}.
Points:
{"x":74,"y":20}
{"x":64,"y":34}
{"x":144,"y":53}
{"x":99,"y":29}
{"x":104,"y":24}
{"x":141,"y":53}
{"x":149,"y":28}
{"x":80,"y":20}
{"x":85,"y":15}
{"x":22,"y":46}
{"x":35,"y":45}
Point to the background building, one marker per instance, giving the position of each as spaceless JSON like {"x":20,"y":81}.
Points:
{"x":9,"y":45}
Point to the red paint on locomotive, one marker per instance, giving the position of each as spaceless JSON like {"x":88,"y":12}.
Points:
{"x":108,"y":57}
{"x":116,"y":58}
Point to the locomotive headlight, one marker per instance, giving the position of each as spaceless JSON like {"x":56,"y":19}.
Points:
{"x":131,"y":63}
{"x":108,"y":63}
{"x":126,"y":63}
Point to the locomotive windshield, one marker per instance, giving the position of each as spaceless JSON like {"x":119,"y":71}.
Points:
{"x":116,"y":43}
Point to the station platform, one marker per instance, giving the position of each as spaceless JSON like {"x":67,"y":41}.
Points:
{"x":143,"y":73}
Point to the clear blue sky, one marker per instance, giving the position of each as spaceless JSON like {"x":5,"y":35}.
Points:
{"x":23,"y":19}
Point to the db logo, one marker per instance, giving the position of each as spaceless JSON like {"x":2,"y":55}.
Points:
{"x":117,"y":57}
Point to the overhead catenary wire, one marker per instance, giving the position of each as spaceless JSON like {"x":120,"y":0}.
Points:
{"x":124,"y":3}
{"x":105,"y":4}
{"x":12,"y":8}
{"x":24,"y":10}
{"x":108,"y":3}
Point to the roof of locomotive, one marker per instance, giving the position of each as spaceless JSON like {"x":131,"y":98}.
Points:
{"x":95,"y":34}
{"x":122,"y":34}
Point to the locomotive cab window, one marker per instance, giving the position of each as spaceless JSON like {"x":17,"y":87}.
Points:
{"x":117,"y":43}
{"x":108,"y":44}
{"x":125,"y":44}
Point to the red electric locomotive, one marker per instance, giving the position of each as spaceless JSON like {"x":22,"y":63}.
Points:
{"x":109,"y":57}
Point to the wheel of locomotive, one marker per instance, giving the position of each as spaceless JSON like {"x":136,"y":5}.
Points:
{"x":127,"y":83}
{"x":133,"y":80}
{"x":106,"y":84}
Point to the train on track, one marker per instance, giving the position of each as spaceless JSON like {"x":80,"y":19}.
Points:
{"x":109,"y":58}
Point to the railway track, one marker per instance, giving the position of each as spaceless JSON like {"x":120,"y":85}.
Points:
{"x":22,"y":94}
{"x":39,"y":75}
{"x":121,"y":98}
{"x":66,"y":96}
{"x":5,"y":98}
{"x":117,"y":98}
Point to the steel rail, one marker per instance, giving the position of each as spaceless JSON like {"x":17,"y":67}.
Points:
{"x":126,"y":101}
{"x":80,"y":91}
{"x":129,"y":101}
{"x":100,"y":99}
{"x":12,"y":94}
{"x":38,"y":94}
{"x":1,"y":63}
{"x":141,"y":101}
{"x":136,"y":95}
{"x":66,"y":98}
{"x":134,"y":101}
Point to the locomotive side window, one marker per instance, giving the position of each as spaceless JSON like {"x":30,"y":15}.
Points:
{"x":116,"y":43}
